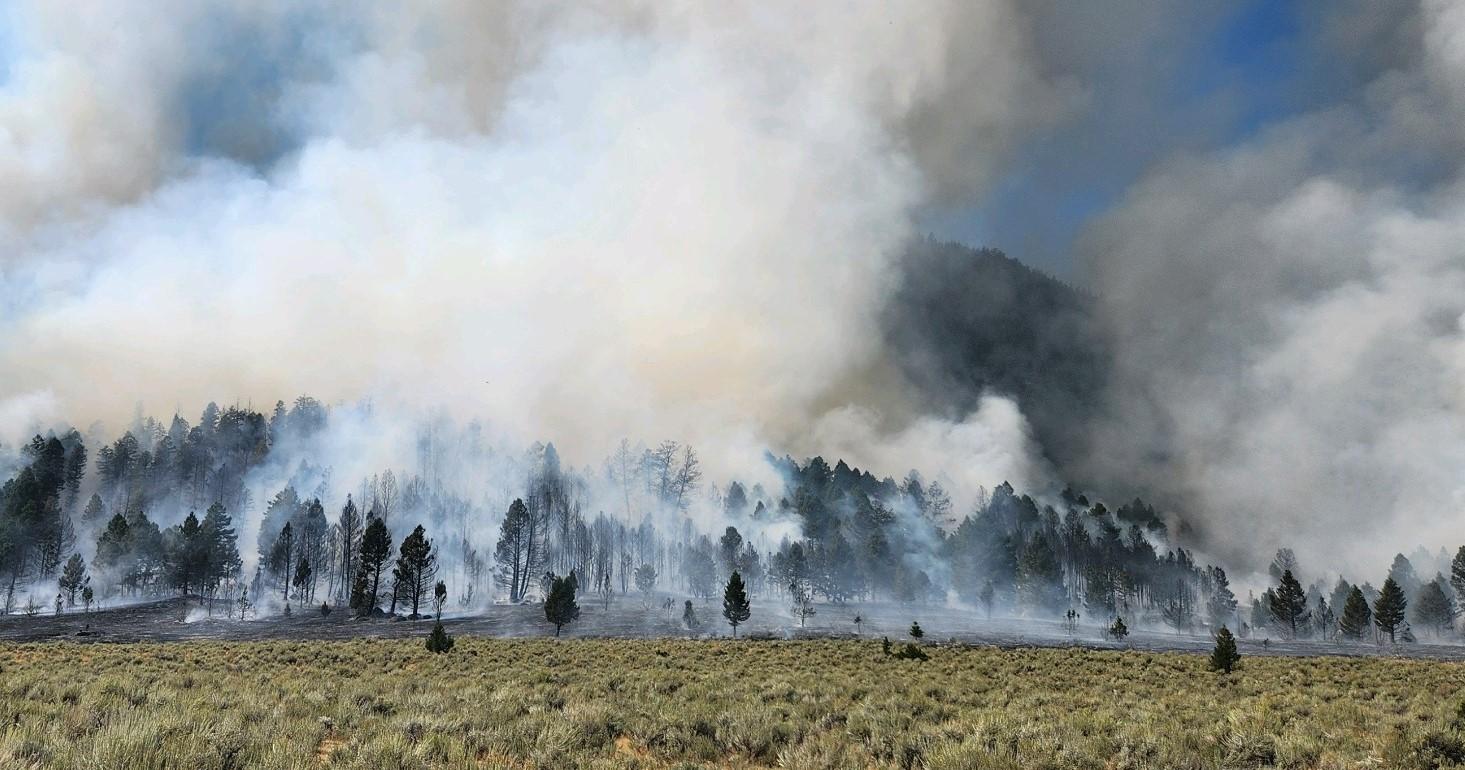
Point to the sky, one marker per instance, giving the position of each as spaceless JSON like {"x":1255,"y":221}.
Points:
{"x":1233,"y":74}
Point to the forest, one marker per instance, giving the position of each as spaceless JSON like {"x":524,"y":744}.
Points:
{"x":238,"y":512}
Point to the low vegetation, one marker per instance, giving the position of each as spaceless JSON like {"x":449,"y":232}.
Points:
{"x":544,"y":703}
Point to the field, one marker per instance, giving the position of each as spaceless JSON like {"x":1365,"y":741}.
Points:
{"x":662,"y":703}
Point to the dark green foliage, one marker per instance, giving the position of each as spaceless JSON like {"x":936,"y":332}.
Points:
{"x":1117,"y":630}
{"x":1457,"y":572}
{"x":885,"y":645}
{"x":1388,"y":609}
{"x":415,"y":569}
{"x":73,"y":577}
{"x":438,"y":641}
{"x":1288,"y":604}
{"x":916,"y":631}
{"x":735,"y":605}
{"x":1224,"y":657}
{"x":376,"y":544}
{"x":559,"y":605}
{"x":1357,"y":618}
{"x":911,"y":652}
{"x":518,"y":553}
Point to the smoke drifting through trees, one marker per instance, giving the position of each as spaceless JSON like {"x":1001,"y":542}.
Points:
{"x":496,"y":207}
{"x":642,"y":520}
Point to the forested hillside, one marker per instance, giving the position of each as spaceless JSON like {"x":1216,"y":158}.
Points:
{"x":171,"y":509}
{"x":966,"y":321}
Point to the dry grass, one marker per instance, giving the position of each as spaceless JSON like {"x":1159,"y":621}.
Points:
{"x":662,"y":704}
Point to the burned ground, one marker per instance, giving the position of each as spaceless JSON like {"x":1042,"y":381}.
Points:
{"x":177,"y":620}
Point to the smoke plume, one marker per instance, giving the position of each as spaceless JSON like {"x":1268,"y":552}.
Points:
{"x":1289,"y":313}
{"x":580,"y":222}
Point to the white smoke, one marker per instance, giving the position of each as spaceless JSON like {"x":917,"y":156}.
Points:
{"x":581,"y":222}
{"x":1290,"y":316}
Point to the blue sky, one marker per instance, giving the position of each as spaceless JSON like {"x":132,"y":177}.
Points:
{"x":1237,"y":79}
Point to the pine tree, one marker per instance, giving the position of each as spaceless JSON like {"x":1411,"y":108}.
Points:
{"x":1288,"y":604}
{"x":95,"y":509}
{"x":1457,"y":572}
{"x":1433,"y":608}
{"x":645,"y":581}
{"x":916,"y":631}
{"x":735,"y":605}
{"x":1118,"y":630}
{"x":220,"y":549}
{"x":282,"y":561}
{"x":1224,"y":657}
{"x":376,"y":544}
{"x":73,"y":576}
{"x":559,"y":606}
{"x":302,"y":579}
{"x":1356,"y":616}
{"x":1388,"y":610}
{"x":689,"y":616}
{"x":416,"y":566}
{"x":439,"y":641}
{"x":1221,"y":606}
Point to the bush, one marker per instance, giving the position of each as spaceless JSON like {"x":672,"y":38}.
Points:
{"x":439,"y":641}
{"x":911,"y":652}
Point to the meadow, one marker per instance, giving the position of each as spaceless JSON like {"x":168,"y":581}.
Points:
{"x":621,"y":703}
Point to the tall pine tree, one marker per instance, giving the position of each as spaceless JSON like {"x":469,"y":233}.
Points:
{"x":1356,"y":617}
{"x":1388,"y":609}
{"x":735,"y":605}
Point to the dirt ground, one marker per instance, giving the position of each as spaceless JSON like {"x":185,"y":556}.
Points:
{"x":628,"y":617}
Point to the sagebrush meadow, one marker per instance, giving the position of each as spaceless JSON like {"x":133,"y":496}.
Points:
{"x":542,"y":703}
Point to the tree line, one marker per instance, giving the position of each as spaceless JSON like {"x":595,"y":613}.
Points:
{"x":633,"y":525}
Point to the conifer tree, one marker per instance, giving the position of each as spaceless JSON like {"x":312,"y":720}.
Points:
{"x":1388,"y":609}
{"x":416,"y":566}
{"x":1356,"y":616}
{"x":1457,"y":572}
{"x":735,"y":605}
{"x":559,"y":606}
{"x":1221,"y":605}
{"x":1118,"y":630}
{"x":302,"y":579}
{"x":1224,"y":657}
{"x":376,"y":544}
{"x":1434,"y":609}
{"x":438,"y":641}
{"x":645,"y":581}
{"x":1288,"y":604}
{"x":73,"y":576}
{"x":689,"y":617}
